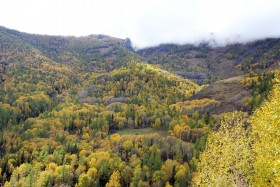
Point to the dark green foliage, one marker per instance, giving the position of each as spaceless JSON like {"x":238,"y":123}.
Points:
{"x":200,"y":145}
{"x":261,"y":89}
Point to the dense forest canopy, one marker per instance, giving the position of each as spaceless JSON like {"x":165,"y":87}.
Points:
{"x":90,"y":111}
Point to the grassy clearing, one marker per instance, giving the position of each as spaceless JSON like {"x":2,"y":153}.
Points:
{"x":142,"y":131}
{"x":231,"y":93}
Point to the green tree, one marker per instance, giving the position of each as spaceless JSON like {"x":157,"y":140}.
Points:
{"x":159,"y":178}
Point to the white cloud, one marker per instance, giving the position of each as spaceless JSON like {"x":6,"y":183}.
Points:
{"x":147,"y":22}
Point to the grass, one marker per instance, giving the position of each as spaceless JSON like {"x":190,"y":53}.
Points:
{"x":231,"y":94}
{"x":143,"y":131}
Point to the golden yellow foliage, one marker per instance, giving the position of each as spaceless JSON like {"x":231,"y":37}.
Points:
{"x":114,"y":180}
{"x":266,"y":133}
{"x":227,"y":156}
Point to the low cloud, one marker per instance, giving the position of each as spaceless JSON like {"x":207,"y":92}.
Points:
{"x":148,"y":22}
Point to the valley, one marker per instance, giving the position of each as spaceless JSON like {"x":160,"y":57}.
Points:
{"x":92,"y":111}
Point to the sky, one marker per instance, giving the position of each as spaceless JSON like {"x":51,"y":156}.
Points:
{"x":147,"y":22}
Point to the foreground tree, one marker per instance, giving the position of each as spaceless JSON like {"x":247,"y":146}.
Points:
{"x":266,"y":131}
{"x":226,"y":160}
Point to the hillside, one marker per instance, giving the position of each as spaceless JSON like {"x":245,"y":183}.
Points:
{"x":81,"y":125}
{"x":240,"y":156}
{"x":36,"y":69}
{"x":206,"y":64}
{"x":84,"y":54}
{"x":230,"y":94}
{"x":63,"y":111}
{"x":90,"y":111}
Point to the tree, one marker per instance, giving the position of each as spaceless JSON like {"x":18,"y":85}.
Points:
{"x":181,"y":177}
{"x":92,"y":173}
{"x":265,"y":132}
{"x":225,"y":160}
{"x":84,"y":180}
{"x":114,"y":180}
{"x":127,"y":145}
{"x":137,"y":176}
{"x":169,"y":168}
{"x":126,"y":175}
{"x":168,"y":184}
{"x":159,"y":178}
{"x":157,"y":123}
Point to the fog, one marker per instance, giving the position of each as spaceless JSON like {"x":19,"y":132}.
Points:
{"x":147,"y":22}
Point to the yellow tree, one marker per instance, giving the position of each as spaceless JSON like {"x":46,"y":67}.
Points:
{"x":114,"y":180}
{"x":266,"y":134}
{"x":227,"y":156}
{"x":84,"y":180}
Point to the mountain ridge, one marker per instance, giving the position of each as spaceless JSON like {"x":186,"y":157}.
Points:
{"x":206,"y":64}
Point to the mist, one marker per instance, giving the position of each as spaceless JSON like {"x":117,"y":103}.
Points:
{"x":148,"y":22}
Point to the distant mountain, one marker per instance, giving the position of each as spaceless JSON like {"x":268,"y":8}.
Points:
{"x":206,"y":64}
{"x":90,"y":53}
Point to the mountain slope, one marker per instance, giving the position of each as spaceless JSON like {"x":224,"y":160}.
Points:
{"x":244,"y":151}
{"x":145,"y":90}
{"x":231,"y":94}
{"x":206,"y":64}
{"x":28,"y":78}
{"x":90,"y":53}
{"x":88,"y":111}
{"x":36,"y":66}
{"x":78,"y":134}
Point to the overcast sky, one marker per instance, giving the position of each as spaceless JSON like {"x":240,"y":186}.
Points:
{"x":147,"y":22}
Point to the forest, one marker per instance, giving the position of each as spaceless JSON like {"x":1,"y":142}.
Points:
{"x":92,"y":111}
